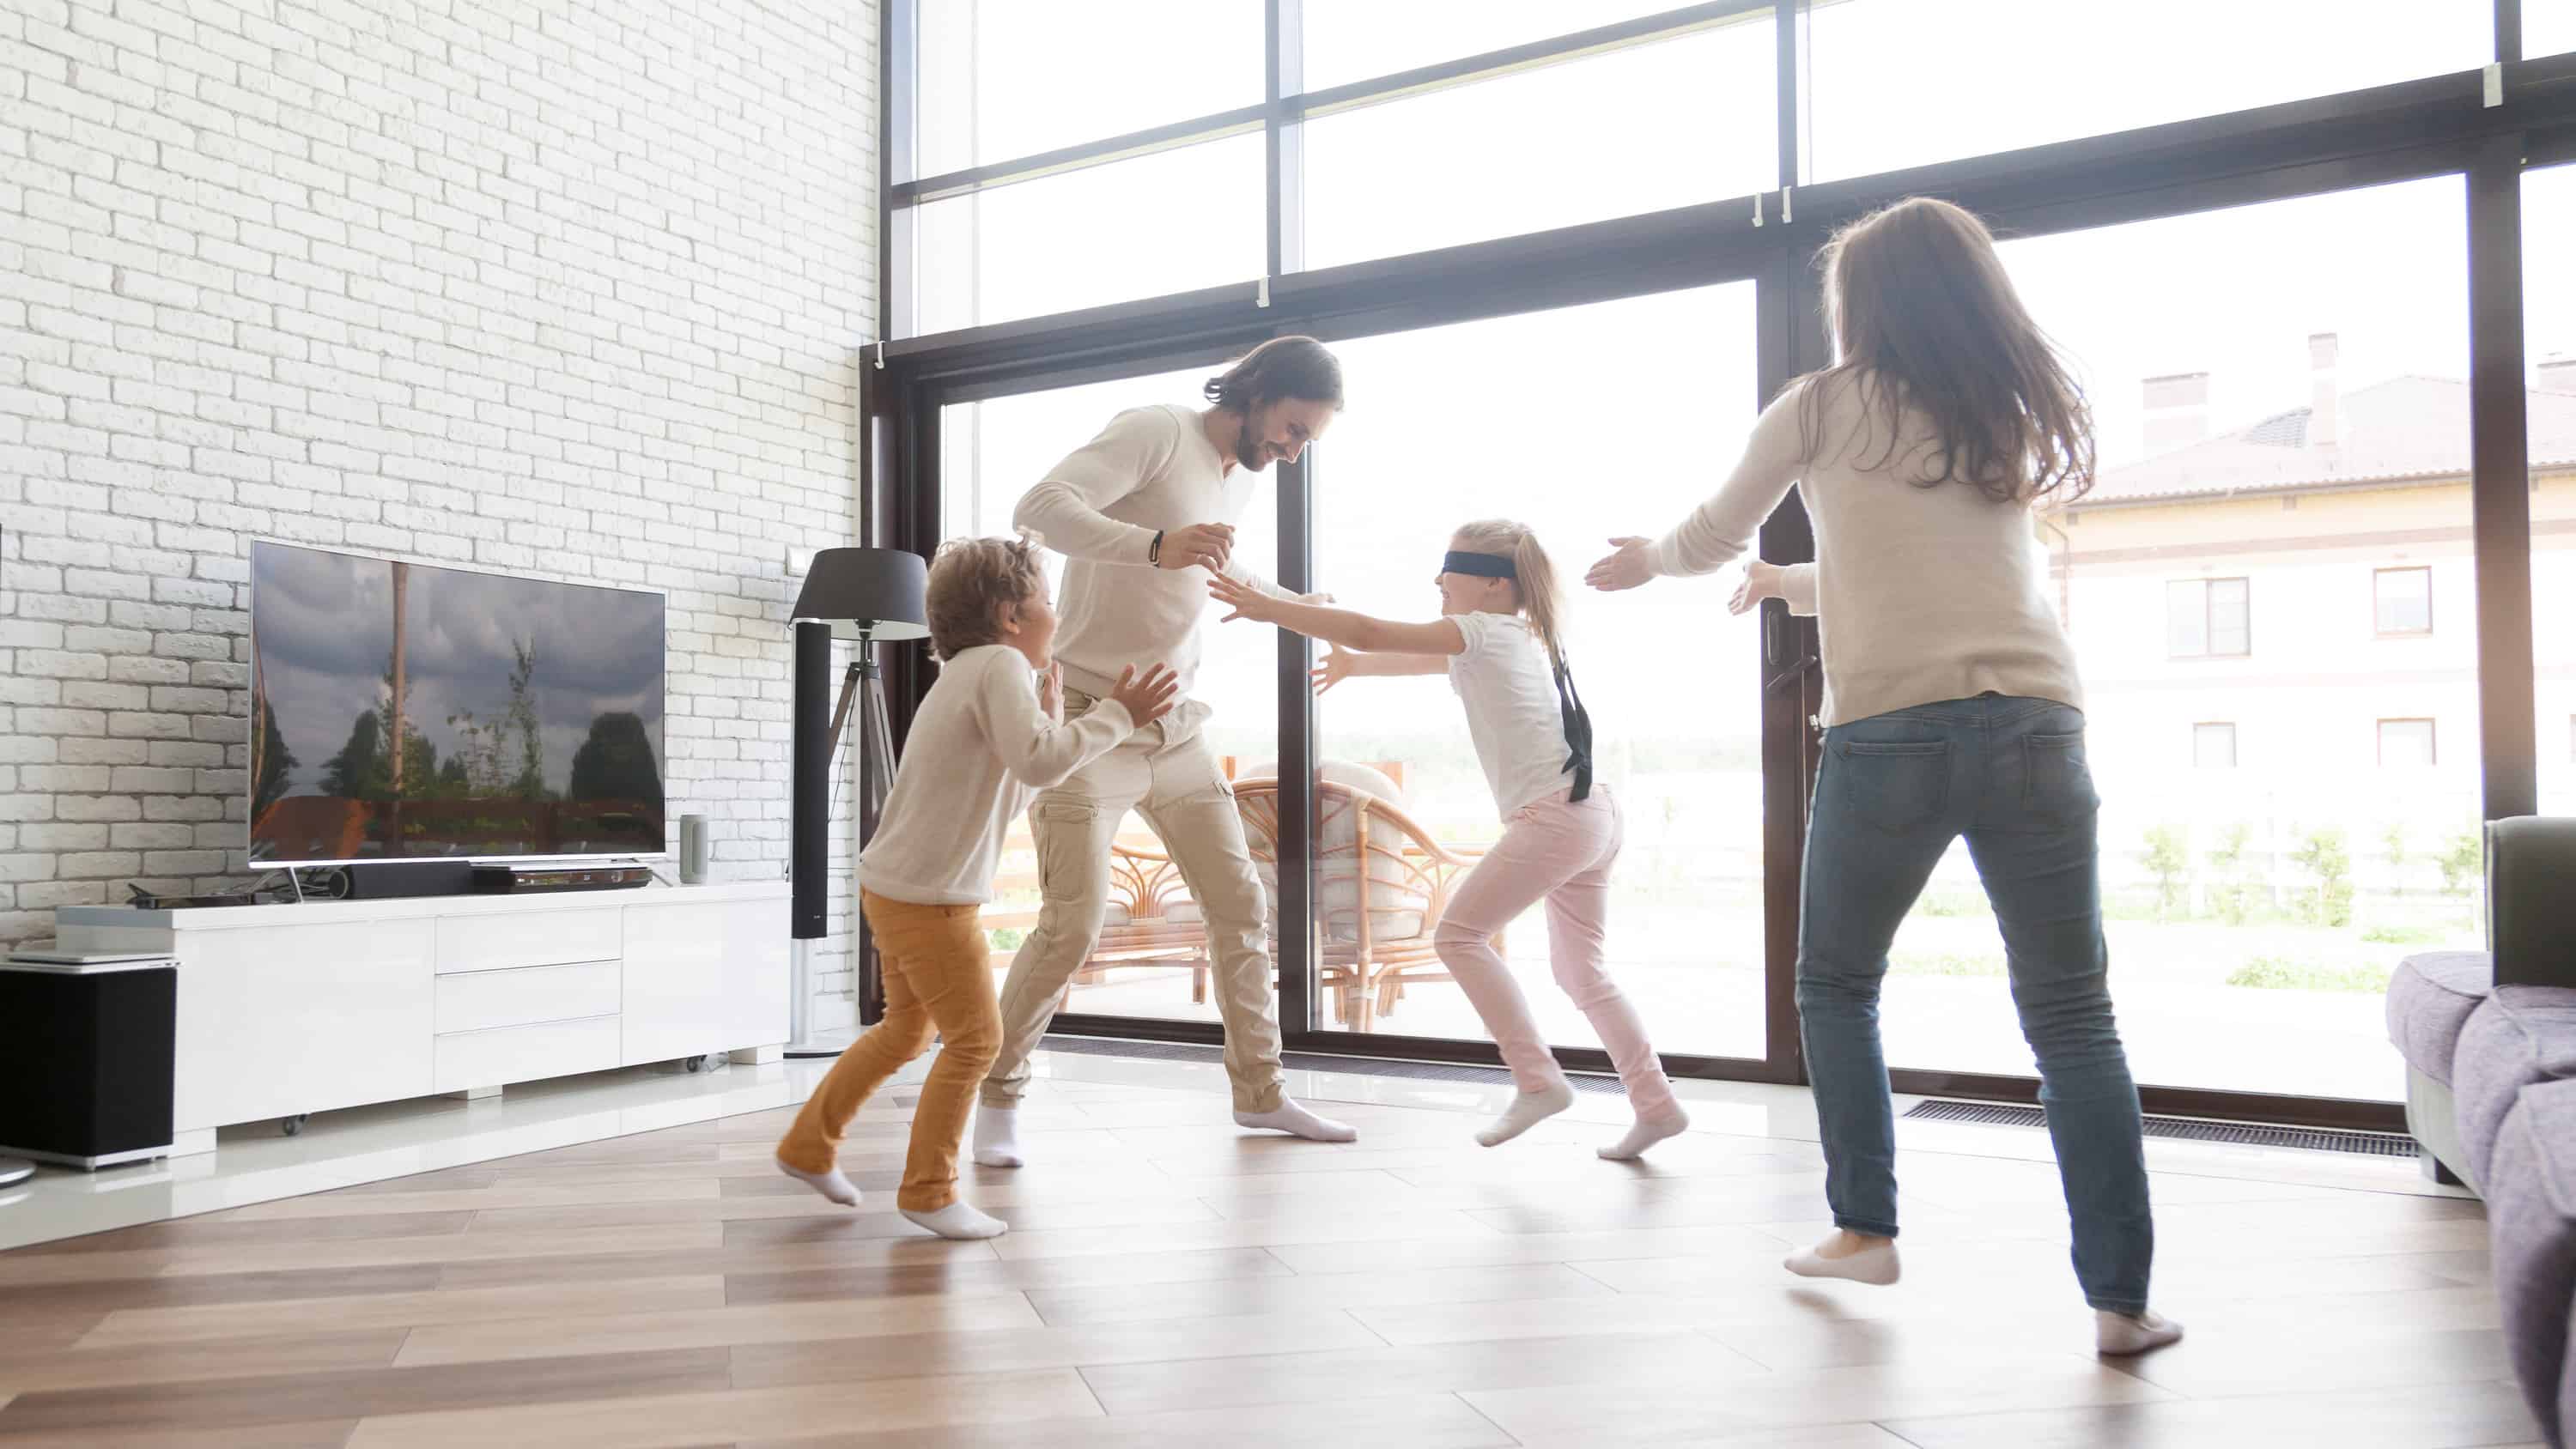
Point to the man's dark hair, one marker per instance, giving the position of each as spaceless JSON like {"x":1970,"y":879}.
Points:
{"x":1297,"y":367}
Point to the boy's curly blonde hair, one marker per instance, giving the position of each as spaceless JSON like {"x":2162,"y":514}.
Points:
{"x":971,"y":581}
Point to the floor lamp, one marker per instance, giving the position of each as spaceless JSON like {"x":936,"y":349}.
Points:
{"x":869,"y":596}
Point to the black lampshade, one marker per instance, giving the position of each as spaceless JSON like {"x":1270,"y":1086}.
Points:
{"x":872,"y":591}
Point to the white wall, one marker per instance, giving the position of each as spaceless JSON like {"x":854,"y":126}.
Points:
{"x":566,"y":288}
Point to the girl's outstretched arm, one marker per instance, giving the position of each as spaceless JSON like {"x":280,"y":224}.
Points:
{"x":1340,"y":665}
{"x":1348,"y":628}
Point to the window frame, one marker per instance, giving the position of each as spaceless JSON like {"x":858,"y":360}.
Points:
{"x":2234,"y":738}
{"x":2432,"y":739}
{"x":2435,"y":125}
{"x":2209,"y":616}
{"x":2378,"y":623}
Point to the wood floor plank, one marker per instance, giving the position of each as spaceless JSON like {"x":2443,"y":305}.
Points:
{"x":209,"y":1232}
{"x":1293,"y":1378}
{"x":1270,"y":1232}
{"x":164,"y":1363}
{"x":351,"y":1395}
{"x":679,"y":1420}
{"x":2490,"y":1413}
{"x":936,"y":1355}
{"x":644,"y":1332}
{"x":1145,"y":1273}
{"x":406,"y":1310}
{"x":1345,"y":1418}
{"x":103,"y":1296}
{"x":1141,"y":1302}
{"x":482,"y":1200}
{"x":1632,"y":1414}
{"x":327,"y":1434}
{"x":874,"y":1218}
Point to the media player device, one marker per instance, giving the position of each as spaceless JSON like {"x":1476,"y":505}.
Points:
{"x":496,"y":880}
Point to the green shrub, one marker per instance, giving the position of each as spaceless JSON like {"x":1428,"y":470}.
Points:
{"x":2322,"y":854}
{"x":2169,"y":860}
{"x":2401,"y":935}
{"x":1945,"y":963}
{"x":2280,"y":973}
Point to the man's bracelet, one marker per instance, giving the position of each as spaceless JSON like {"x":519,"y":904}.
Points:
{"x":1154,"y":553}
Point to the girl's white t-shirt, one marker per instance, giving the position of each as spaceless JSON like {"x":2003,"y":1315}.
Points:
{"x":1509,"y":688}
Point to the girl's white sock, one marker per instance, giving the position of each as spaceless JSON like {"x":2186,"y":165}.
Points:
{"x":1292,"y":1118}
{"x":1646,"y":1133}
{"x":1528,"y":1109}
{"x":2121,"y":1334}
{"x":1875,"y":1264}
{"x":957,"y":1220}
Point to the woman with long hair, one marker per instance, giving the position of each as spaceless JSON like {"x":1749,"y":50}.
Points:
{"x":1951,"y":708}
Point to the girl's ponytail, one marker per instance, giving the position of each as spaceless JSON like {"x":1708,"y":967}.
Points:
{"x":1540,"y":597}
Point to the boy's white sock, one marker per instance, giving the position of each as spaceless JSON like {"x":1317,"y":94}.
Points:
{"x":1646,"y":1133}
{"x":1296,"y":1121}
{"x":997,"y":1137}
{"x":1528,"y":1109}
{"x":830,"y":1184}
{"x":957,"y":1220}
{"x":2121,"y":1334}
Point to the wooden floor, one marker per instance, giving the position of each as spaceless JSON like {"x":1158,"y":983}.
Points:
{"x":1171,"y":1281}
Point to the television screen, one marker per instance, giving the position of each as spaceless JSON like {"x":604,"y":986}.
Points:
{"x":409,"y":712}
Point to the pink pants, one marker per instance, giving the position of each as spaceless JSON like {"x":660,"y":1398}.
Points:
{"x":1559,"y":852}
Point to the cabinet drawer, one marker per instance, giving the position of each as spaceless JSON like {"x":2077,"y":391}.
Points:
{"x":524,"y":1053}
{"x":478,"y":1000}
{"x":511,"y":939}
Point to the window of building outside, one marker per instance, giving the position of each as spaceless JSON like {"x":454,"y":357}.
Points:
{"x":2402,"y":601}
{"x":2213,"y":746}
{"x":2252,"y":915}
{"x":991,"y":453}
{"x":2549,"y":344}
{"x":2406,"y":743}
{"x":2208,"y":619}
{"x":2016,"y":76}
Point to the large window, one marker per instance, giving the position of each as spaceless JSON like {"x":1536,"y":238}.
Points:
{"x":2252,"y":918}
{"x":2213,"y":746}
{"x":1899,"y":83}
{"x":1151,"y":959}
{"x":1446,"y":427}
{"x":1656,"y":126}
{"x":1005,"y":78}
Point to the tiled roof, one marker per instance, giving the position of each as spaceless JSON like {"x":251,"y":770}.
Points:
{"x":2406,"y":427}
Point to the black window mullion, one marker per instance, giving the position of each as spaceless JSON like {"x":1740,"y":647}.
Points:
{"x":1284,"y":138}
{"x":2500,"y":484}
{"x":2508,"y":30}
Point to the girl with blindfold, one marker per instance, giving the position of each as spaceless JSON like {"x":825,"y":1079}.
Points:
{"x":1500,"y":641}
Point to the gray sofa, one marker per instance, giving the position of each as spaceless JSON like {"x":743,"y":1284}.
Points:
{"x":2489,"y":1040}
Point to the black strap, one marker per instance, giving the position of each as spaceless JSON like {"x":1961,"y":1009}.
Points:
{"x":1578,"y":732}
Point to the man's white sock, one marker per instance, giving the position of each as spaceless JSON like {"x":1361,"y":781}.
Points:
{"x":1296,"y":1121}
{"x":997,"y":1137}
{"x":1528,"y":1109}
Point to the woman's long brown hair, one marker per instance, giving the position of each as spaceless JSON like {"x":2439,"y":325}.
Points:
{"x":1924,"y":317}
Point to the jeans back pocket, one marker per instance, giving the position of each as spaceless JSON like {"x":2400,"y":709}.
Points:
{"x":2057,"y":783}
{"x":1894,"y":787}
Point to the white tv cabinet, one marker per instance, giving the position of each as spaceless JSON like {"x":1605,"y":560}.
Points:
{"x":291,"y":1009}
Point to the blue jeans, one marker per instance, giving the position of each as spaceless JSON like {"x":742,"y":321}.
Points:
{"x":1893,"y":792}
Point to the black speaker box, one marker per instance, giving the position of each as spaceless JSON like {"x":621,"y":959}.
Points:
{"x":91,"y":1057}
{"x":385,"y":880}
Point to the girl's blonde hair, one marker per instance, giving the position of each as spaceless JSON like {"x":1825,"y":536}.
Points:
{"x":1536,"y":588}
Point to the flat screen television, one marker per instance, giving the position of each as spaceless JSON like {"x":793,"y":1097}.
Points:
{"x":528,"y":714}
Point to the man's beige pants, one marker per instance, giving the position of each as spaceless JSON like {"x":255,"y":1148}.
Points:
{"x":1166,"y":773}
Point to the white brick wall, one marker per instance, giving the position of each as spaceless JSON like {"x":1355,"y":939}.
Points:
{"x":568,"y":288}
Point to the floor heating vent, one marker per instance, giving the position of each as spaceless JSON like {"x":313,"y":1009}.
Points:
{"x":1167,"y":1051}
{"x":2192,"y":1129}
